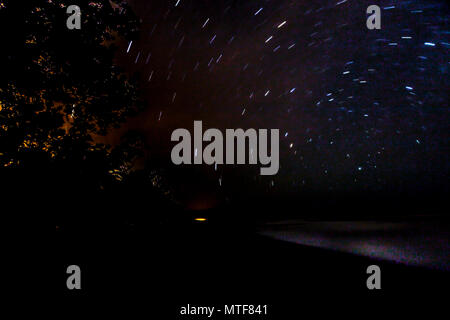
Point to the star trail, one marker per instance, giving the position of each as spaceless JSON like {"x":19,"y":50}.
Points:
{"x":356,"y":108}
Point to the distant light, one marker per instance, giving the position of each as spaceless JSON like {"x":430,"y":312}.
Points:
{"x":431,"y":44}
{"x":200,"y":219}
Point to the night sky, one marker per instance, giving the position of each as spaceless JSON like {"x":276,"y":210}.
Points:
{"x":357,"y":109}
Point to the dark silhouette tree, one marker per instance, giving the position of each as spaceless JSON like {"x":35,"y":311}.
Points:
{"x":60,"y":88}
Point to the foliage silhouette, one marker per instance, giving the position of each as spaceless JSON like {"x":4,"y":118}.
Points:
{"x":59,"y":89}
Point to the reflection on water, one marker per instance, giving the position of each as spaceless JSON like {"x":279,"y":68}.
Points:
{"x":413,"y":243}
